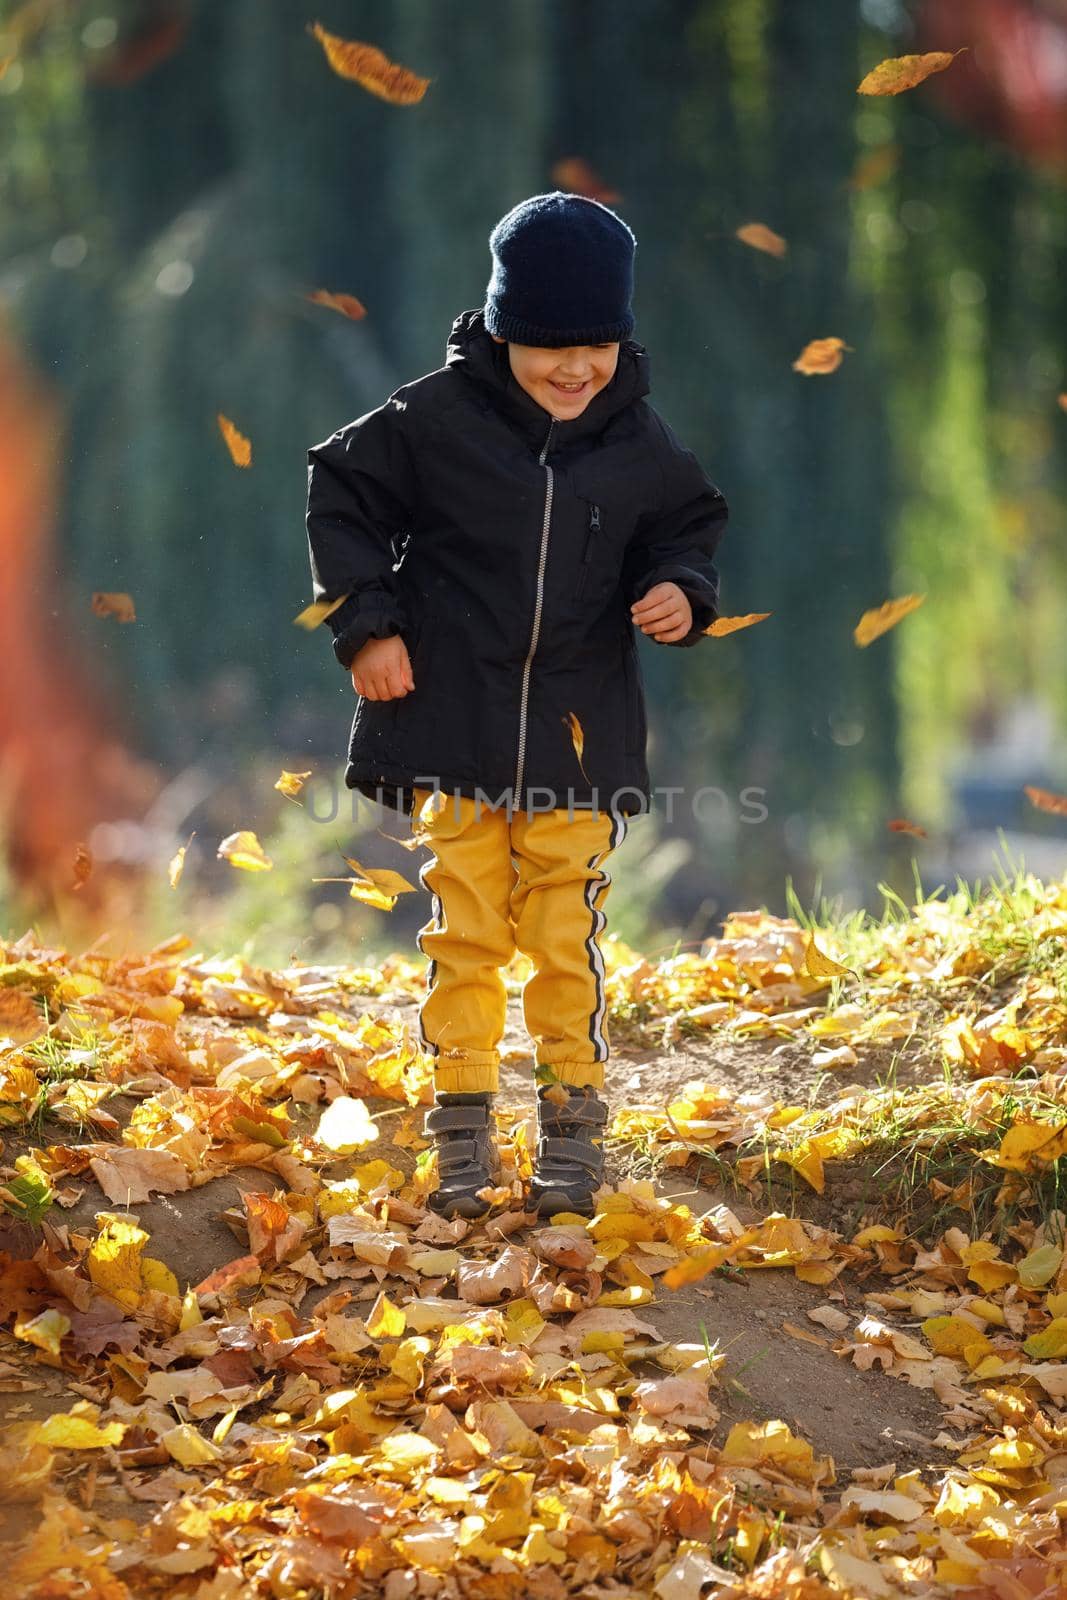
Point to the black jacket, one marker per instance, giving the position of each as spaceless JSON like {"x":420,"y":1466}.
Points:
{"x":506,"y":547}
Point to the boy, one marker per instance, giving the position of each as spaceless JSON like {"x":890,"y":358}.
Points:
{"x":545,"y":509}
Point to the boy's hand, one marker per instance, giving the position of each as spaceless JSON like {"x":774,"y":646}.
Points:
{"x":664,"y":613}
{"x":382,"y":669}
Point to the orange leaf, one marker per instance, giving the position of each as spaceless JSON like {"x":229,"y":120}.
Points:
{"x":820,"y":355}
{"x":760,"y":237}
{"x":574,"y":174}
{"x":346,"y":304}
{"x":114,"y":605}
{"x":239,"y":447}
{"x":1045,"y":800}
{"x":724,"y":625}
{"x":874,"y":167}
{"x":902,"y":825}
{"x":881,"y":618}
{"x":898,"y":73}
{"x":571,"y":722}
{"x":366,"y":65}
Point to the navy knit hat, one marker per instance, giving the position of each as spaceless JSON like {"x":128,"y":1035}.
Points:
{"x":563,"y":273}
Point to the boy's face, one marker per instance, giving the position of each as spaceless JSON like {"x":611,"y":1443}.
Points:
{"x":562,"y":381}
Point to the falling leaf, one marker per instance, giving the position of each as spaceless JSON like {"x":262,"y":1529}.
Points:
{"x":725,"y":625}
{"x":318,"y":611}
{"x":83,"y":866}
{"x":176,"y":865}
{"x":375,"y":886}
{"x":120,"y":606}
{"x":574,"y":727}
{"x":760,"y":237}
{"x":874,"y":167}
{"x":291,"y":783}
{"x":239,"y":447}
{"x":346,"y":304}
{"x":898,"y":73}
{"x":366,"y":65}
{"x":881,"y":618}
{"x":820,"y":355}
{"x":574,"y":174}
{"x":1045,"y":800}
{"x":902,"y":825}
{"x":245,"y":851}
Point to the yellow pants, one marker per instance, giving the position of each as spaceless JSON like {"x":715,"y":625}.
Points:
{"x":533,"y":882}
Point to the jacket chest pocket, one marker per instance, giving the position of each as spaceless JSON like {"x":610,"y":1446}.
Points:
{"x":601,"y":551}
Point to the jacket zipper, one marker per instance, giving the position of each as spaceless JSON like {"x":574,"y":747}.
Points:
{"x":594,"y":527}
{"x":520,"y":761}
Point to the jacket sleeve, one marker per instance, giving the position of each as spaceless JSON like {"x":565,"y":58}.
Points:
{"x":361,"y":496}
{"x":677,"y":543}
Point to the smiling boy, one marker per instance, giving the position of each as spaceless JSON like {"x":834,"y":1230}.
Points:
{"x":499,"y":527}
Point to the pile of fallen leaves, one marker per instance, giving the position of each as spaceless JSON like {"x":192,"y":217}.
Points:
{"x":367,"y":1399}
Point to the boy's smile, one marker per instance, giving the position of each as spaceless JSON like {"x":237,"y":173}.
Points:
{"x":562,"y":381}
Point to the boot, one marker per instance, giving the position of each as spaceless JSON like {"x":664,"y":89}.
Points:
{"x":569,"y":1166}
{"x":467,"y":1156}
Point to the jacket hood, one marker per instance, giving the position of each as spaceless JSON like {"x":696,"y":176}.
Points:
{"x":472,"y":350}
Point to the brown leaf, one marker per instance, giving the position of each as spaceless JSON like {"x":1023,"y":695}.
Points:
{"x":128,"y":1176}
{"x":486,"y":1283}
{"x":366,"y":65}
{"x":574,"y":727}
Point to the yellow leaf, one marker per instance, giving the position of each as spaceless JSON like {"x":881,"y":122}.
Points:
{"x":954,"y":1336}
{"x":898,"y":73}
{"x":46,"y":1330}
{"x":239,"y":447}
{"x":157,"y":1275}
{"x":188,"y":1447}
{"x":881,"y":618}
{"x":176,"y":866}
{"x":291,"y":783}
{"x":318,"y":611}
{"x":114,"y":1261}
{"x":386,"y":1320}
{"x":1051,"y":1343}
{"x":1029,"y":1146}
{"x":65,"y":1431}
{"x":244,"y":850}
{"x":817,"y":964}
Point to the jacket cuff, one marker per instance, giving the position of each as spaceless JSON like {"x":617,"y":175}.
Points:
{"x":363,"y":617}
{"x":705,"y":611}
